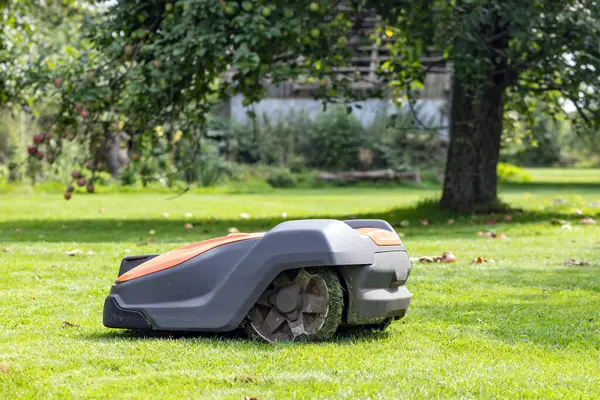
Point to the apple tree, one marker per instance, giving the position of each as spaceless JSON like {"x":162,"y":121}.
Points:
{"x":156,"y":69}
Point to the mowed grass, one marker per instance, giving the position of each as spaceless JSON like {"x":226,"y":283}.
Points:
{"x":526,"y":326}
{"x":556,"y":175}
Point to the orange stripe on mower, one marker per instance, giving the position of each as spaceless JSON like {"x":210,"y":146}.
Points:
{"x":182,"y":254}
{"x":381,"y":237}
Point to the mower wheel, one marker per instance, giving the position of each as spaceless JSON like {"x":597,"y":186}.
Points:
{"x":299,"y":305}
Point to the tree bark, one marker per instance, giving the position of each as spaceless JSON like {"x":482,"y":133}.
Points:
{"x":476,"y":116}
{"x":116,"y":157}
{"x":474,"y":150}
{"x":112,"y":154}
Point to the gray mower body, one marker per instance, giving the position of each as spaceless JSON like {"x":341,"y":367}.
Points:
{"x":215,"y":290}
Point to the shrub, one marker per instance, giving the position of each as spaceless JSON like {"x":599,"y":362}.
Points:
{"x":334,"y":141}
{"x":508,"y":173}
{"x":539,"y":144}
{"x":128,"y":175}
{"x":281,"y":178}
{"x":254,"y":186}
{"x":296,"y":164}
{"x":208,"y":168}
{"x":201,"y":163}
{"x":270,"y":141}
{"x":399,"y":143}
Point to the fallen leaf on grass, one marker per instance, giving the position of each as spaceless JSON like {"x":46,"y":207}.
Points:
{"x":576,"y":263}
{"x":5,"y":369}
{"x":492,"y":235}
{"x":451,"y":221}
{"x":19,"y":230}
{"x":559,"y":202}
{"x":446,"y":257}
{"x":508,"y":218}
{"x":481,"y":260}
{"x":188,"y":227}
{"x":67,"y":323}
{"x":587,"y":221}
{"x":145,"y":242}
{"x":74,"y":252}
{"x":424,"y":222}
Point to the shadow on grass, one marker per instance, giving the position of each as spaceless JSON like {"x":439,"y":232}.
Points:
{"x":560,"y":186}
{"x":131,"y":334}
{"x":343,"y":335}
{"x":172,"y":230}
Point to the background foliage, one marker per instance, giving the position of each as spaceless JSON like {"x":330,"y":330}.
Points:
{"x":152,"y":73}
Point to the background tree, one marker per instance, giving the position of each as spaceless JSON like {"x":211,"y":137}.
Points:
{"x":168,"y":63}
{"x":505,"y":55}
{"x":30,"y":29}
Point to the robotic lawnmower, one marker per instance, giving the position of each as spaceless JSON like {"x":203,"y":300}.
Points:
{"x":299,"y":281}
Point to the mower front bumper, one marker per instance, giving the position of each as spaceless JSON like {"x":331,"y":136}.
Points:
{"x":378,"y":291}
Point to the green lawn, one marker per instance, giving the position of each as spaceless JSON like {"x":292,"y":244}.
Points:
{"x":554,"y":175}
{"x":524,"y":326}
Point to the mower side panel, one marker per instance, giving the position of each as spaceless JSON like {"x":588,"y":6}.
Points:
{"x":215,"y":290}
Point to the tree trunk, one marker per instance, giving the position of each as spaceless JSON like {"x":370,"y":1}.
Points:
{"x":112,"y":154}
{"x":474,"y":150}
